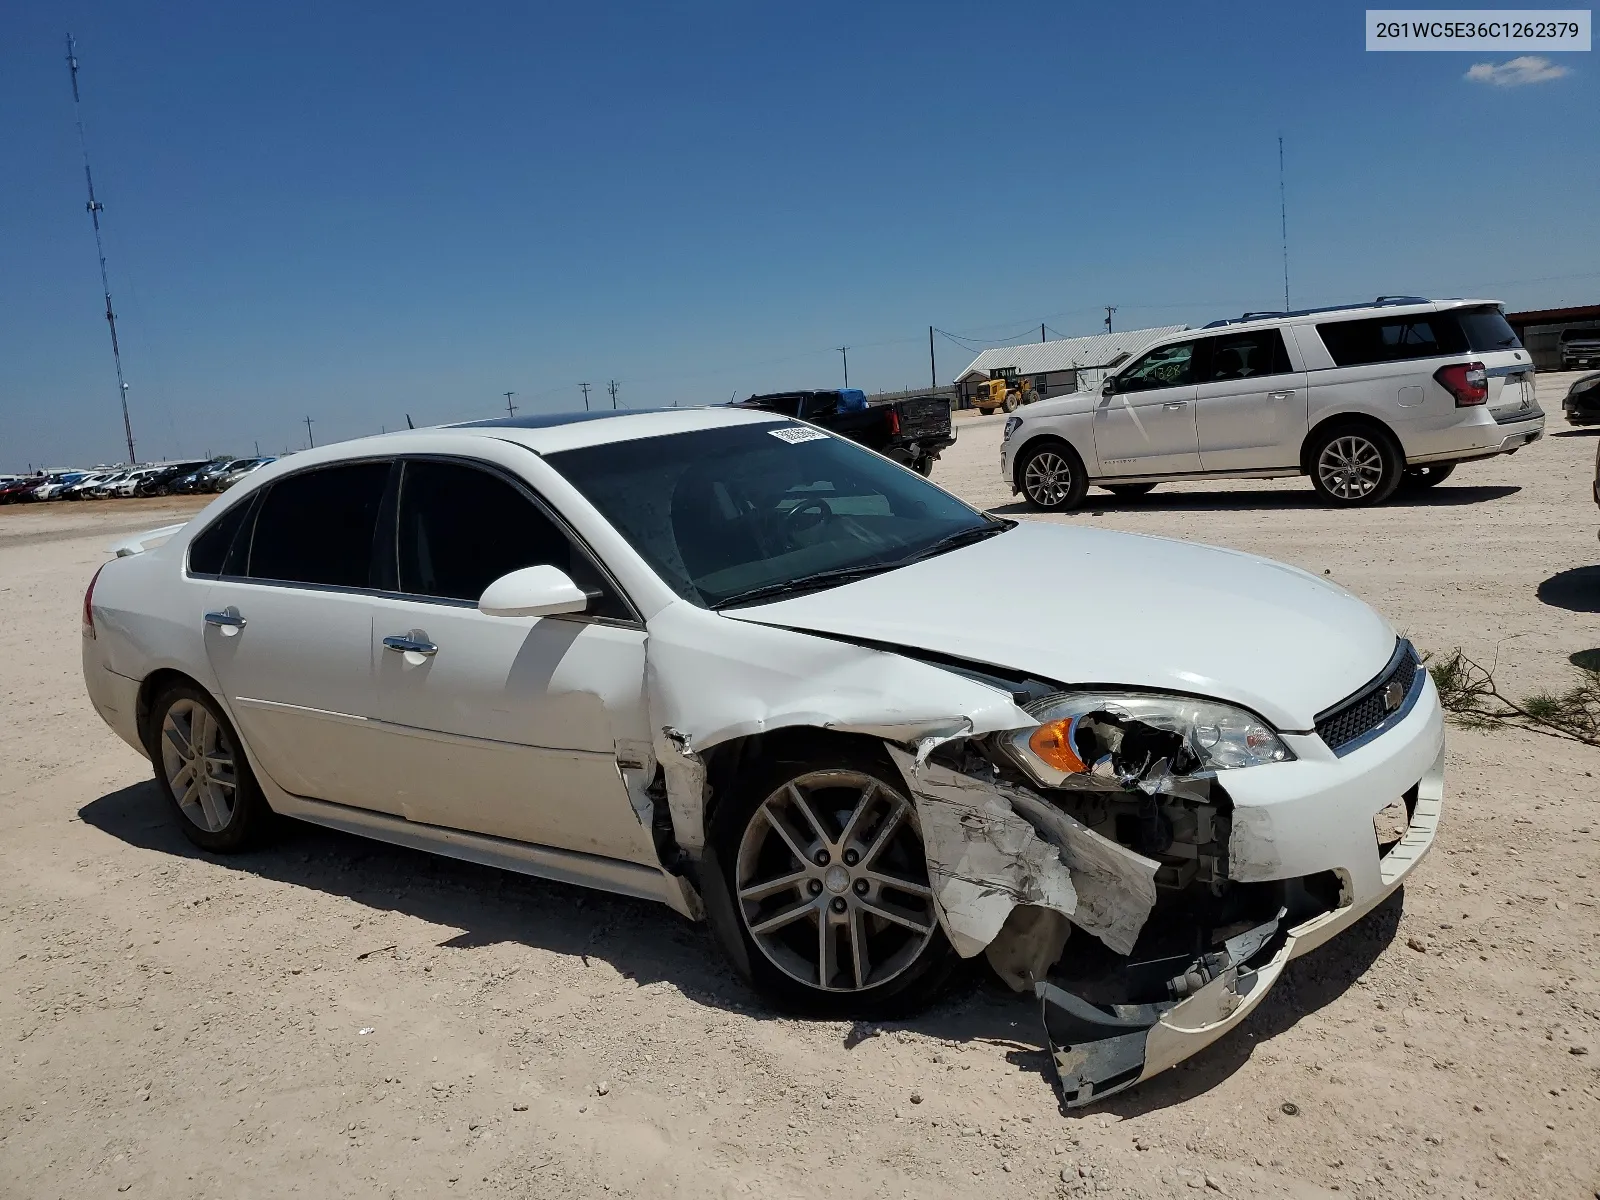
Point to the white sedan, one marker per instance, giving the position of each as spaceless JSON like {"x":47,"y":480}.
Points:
{"x":724,"y":660}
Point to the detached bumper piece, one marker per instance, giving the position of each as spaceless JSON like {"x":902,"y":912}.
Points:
{"x":1096,"y":1050}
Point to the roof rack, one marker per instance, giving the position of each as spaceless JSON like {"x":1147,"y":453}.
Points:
{"x":1380,"y":302}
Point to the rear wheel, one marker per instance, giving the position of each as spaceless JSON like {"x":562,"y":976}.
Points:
{"x":1354,"y":466}
{"x":1426,"y":475}
{"x":924,"y":465}
{"x":1052,"y":477}
{"x":1130,"y":489}
{"x":827,"y":878}
{"x":202,"y":771}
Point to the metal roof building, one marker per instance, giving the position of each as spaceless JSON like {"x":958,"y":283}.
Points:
{"x":1064,"y":365}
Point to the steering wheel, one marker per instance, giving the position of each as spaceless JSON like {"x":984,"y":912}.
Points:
{"x":794,"y":523}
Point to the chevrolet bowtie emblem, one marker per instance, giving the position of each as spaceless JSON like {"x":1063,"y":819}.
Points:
{"x":1393,"y":695}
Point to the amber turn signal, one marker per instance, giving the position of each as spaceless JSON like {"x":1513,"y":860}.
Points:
{"x":1052,"y":742}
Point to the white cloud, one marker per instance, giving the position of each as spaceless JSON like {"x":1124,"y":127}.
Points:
{"x":1530,"y":68}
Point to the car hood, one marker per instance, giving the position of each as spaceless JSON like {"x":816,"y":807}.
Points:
{"x":1089,"y":606}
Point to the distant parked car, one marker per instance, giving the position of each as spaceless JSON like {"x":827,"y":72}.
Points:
{"x":85,"y":488}
{"x":1580,"y":348}
{"x":913,"y":432}
{"x":131,"y":483}
{"x":16,"y":490}
{"x":205,"y":478}
{"x":53,"y":485}
{"x":1362,"y":398}
{"x":238,"y":471}
{"x":1582,"y":404}
{"x":105,"y":487}
{"x":160,"y":480}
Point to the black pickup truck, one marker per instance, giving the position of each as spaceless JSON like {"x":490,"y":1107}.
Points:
{"x":914,"y":432}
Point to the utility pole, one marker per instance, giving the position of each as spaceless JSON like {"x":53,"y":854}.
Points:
{"x":612,"y":388}
{"x":1110,"y":308}
{"x":1283,"y":225}
{"x":845,"y":352}
{"x":95,"y":209}
{"x":585,"y":388}
{"x":258,"y":447}
{"x":309,"y":438}
{"x":1041,"y":331}
{"x":511,"y":409}
{"x":933,"y":366}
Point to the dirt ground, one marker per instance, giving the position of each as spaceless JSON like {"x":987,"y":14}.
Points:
{"x":334,"y":1017}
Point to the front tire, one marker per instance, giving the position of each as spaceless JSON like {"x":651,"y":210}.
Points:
{"x":1355,"y":466}
{"x":1051,"y":477}
{"x":829,"y":889}
{"x":201,"y":769}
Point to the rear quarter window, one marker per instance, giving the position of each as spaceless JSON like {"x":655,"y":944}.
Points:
{"x":1392,"y":339}
{"x":1487,"y":329}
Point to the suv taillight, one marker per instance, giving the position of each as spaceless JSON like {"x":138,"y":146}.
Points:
{"x":1467,"y":382}
{"x":88,"y":603}
{"x":894,"y":422}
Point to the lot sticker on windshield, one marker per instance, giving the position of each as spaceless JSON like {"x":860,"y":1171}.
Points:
{"x":797,"y":433}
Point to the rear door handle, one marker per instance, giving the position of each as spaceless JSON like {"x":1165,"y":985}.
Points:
{"x":406,"y":644}
{"x":1280,"y":395}
{"x":228,"y":618}
{"x":1175,"y":404}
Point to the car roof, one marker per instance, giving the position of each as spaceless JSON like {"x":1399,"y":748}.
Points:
{"x":547,"y":433}
{"x":1384,"y":306}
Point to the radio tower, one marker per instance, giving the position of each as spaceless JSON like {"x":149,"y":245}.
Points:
{"x":95,"y":208}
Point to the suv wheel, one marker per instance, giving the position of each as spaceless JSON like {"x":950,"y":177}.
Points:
{"x":1052,"y":477}
{"x":1355,"y":465}
{"x":202,"y":771}
{"x":827,"y":880}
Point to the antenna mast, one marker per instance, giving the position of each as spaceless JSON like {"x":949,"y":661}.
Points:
{"x":1283,"y":225}
{"x":95,"y":208}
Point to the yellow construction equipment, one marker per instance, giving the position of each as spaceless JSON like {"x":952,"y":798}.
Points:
{"x":1004,"y":390}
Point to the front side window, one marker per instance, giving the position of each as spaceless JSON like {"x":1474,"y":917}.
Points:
{"x":752,"y":510}
{"x":1165,"y":366}
{"x":317,"y":527}
{"x":460,"y":528}
{"x":1246,"y":356}
{"x":1392,"y":339}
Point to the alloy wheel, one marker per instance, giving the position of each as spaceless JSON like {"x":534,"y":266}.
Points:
{"x":198,"y":760}
{"x":1047,"y":478}
{"x":832,"y":884}
{"x":1350,"y":467}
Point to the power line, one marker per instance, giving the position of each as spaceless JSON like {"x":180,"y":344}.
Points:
{"x":95,"y":208}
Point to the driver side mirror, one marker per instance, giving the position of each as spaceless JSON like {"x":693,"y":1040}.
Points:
{"x":542,"y":591}
{"x":1109,"y":387}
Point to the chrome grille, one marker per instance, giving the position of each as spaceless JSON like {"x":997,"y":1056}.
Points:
{"x":1369,"y":710}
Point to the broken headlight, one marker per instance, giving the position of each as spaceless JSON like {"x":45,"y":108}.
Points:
{"x":1131,"y":739}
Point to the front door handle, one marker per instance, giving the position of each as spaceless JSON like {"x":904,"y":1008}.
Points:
{"x":406,"y":644}
{"x":228,"y":618}
{"x":1170,"y":405}
{"x":1280,"y":395}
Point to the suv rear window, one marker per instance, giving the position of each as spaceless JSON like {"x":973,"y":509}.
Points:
{"x":1392,"y":339}
{"x":1487,"y":329}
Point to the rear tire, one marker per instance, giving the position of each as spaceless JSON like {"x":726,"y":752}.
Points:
{"x":1426,"y":475}
{"x":1129,"y":489}
{"x":799,"y":921}
{"x":202,"y":771}
{"x":1355,"y":465}
{"x":1051,"y":477}
{"x":924,"y":466}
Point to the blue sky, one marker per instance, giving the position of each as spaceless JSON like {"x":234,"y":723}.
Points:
{"x":358,"y":212}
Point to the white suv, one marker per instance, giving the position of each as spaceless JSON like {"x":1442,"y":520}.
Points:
{"x":1361,"y":398}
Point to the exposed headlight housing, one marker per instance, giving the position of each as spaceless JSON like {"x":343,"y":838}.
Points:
{"x":1138,"y":739}
{"x":1011,"y":427}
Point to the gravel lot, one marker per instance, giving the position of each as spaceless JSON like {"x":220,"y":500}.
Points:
{"x":334,"y":1017}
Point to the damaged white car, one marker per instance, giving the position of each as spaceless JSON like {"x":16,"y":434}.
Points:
{"x":724,"y":660}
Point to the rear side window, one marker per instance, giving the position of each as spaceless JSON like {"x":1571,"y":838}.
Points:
{"x":209,"y":551}
{"x":318,"y":527}
{"x":1392,"y":339}
{"x":460,"y":528}
{"x":1245,"y":356}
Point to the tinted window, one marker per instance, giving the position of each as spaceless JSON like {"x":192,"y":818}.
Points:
{"x":717,"y":513}
{"x":461,"y":528}
{"x":1580,"y":335}
{"x":1245,"y":356}
{"x":209,"y":551}
{"x":318,"y":527}
{"x":1487,"y":329}
{"x":1392,"y":339}
{"x":1165,"y":366}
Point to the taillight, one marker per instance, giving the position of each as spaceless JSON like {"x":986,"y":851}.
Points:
{"x":1467,"y":382}
{"x":88,"y":603}
{"x":894,"y":422}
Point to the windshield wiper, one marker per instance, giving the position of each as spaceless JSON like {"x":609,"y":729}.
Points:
{"x":962,"y":537}
{"x":805,"y":583}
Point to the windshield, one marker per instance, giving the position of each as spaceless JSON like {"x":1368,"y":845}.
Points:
{"x":1487,"y":329}
{"x":1580,"y":335}
{"x":718,"y":513}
